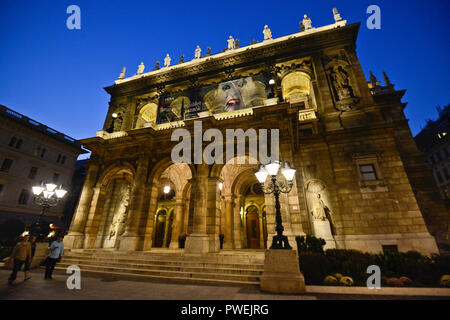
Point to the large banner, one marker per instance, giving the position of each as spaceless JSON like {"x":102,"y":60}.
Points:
{"x":223,"y":97}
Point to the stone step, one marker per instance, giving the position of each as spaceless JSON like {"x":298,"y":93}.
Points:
{"x":157,"y":266}
{"x":166,"y":273}
{"x":236,"y":260}
{"x":173,"y":262}
{"x":166,"y":279}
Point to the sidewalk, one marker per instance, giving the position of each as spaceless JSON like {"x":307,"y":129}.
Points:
{"x":104,"y":288}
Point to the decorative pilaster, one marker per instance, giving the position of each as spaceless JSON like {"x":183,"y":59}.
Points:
{"x":228,"y":240}
{"x":177,"y":223}
{"x":75,"y":238}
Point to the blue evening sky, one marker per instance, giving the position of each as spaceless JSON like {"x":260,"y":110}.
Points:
{"x":56,"y":75}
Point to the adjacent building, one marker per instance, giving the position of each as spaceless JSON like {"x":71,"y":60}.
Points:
{"x":360,"y":180}
{"x":434,"y":142}
{"x":30,"y":154}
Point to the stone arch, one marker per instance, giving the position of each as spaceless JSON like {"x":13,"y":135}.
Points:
{"x":147,"y":115}
{"x":124,"y":169}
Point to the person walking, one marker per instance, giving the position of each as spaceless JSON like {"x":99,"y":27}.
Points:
{"x":56,"y":252}
{"x":29,"y":261}
{"x":20,"y":254}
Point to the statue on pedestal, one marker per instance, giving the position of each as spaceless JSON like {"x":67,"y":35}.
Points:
{"x":167,"y":60}
{"x":181,"y":59}
{"x":321,"y":212}
{"x":208,"y":51}
{"x":197,"y":54}
{"x":306,"y":23}
{"x":122,"y":74}
{"x":156,"y":66}
{"x":337,"y":16}
{"x":231,"y":44}
{"x":267,"y":33}
{"x":140,"y":68}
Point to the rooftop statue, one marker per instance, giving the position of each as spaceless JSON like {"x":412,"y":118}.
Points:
{"x":141,"y":68}
{"x":267,"y":33}
{"x":181,"y":59}
{"x":122,"y":74}
{"x":197,"y":53}
{"x":231,"y":44}
{"x":337,"y":16}
{"x":208,"y":51}
{"x":167,"y":61}
{"x":156,"y":66}
{"x":307,"y":24}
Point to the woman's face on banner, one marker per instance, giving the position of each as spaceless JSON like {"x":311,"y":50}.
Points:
{"x":230,"y":95}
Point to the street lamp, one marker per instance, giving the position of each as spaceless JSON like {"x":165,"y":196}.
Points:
{"x":276,"y":185}
{"x":47,"y":196}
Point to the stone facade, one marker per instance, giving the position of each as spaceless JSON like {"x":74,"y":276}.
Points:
{"x":355,"y":158}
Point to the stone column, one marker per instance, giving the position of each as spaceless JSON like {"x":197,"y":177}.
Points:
{"x":228,"y":240}
{"x":204,"y":237}
{"x":75,"y":238}
{"x":90,"y":231}
{"x":148,"y":234}
{"x":130,"y":238}
{"x":178,"y":222}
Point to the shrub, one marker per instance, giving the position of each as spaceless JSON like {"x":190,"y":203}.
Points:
{"x":314,"y":267}
{"x":405,"y":280}
{"x":445,"y":281}
{"x":330,"y":280}
{"x":309,"y":244}
{"x":346,"y":281}
{"x":11,"y":229}
{"x":338,"y":276}
{"x":394,"y":282}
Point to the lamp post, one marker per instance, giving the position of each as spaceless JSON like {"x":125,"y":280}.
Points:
{"x":47,"y":196}
{"x":276,"y":185}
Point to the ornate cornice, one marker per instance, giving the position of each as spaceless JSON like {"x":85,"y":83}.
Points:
{"x":229,"y":65}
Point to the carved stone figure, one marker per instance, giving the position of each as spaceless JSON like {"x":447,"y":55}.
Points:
{"x":306,"y":22}
{"x":341,"y":82}
{"x":231,"y":44}
{"x":319,"y":209}
{"x":181,"y":59}
{"x":208,"y":51}
{"x":118,"y":223}
{"x":122,"y":74}
{"x":337,"y":16}
{"x":167,"y":60}
{"x":198,"y":52}
{"x":141,"y":68}
{"x":267,"y":33}
{"x":236,"y":43}
{"x":156,"y":66}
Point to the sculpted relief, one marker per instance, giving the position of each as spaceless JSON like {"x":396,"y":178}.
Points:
{"x":339,"y":74}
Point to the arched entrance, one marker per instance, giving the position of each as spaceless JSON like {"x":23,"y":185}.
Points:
{"x":255,"y":216}
{"x":171,"y":205}
{"x":253,"y":234}
{"x":160,"y":228}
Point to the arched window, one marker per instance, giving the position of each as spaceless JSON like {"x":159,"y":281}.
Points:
{"x":12,"y":141}
{"x":296,"y":84}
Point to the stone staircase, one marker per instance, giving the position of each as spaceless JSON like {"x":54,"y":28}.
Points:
{"x":226,"y":267}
